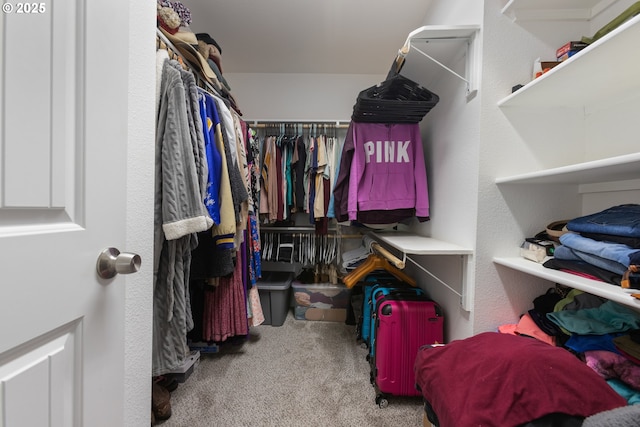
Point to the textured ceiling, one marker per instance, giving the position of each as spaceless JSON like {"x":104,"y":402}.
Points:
{"x":305,"y":36}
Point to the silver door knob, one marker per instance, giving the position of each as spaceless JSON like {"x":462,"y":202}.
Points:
{"x":111,"y":262}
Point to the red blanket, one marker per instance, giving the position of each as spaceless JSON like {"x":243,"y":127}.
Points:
{"x":502,"y":380}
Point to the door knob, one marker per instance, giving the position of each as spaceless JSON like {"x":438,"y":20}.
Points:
{"x":111,"y":262}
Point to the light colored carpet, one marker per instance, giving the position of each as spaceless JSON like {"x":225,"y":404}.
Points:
{"x":302,"y":373}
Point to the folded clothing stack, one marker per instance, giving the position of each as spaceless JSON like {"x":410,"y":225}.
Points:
{"x":603,"y":246}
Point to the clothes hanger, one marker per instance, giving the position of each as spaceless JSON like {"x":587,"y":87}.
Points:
{"x":375,"y":262}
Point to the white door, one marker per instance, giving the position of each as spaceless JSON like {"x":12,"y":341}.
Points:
{"x":63,"y":118}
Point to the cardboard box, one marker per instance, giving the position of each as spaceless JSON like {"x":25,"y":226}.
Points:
{"x":575,"y":46}
{"x":547,"y":65}
{"x":567,"y":55}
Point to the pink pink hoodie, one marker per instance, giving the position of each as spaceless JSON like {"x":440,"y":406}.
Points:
{"x":387,"y":171}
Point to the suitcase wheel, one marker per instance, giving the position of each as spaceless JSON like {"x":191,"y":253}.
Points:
{"x":381,"y":401}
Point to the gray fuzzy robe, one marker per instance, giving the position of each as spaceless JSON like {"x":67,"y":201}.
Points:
{"x":179,"y":213}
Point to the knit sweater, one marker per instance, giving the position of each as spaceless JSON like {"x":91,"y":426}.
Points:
{"x":179,"y":214}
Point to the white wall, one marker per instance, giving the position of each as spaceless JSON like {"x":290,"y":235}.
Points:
{"x":303,"y":97}
{"x":442,"y":12}
{"x":140,"y":166}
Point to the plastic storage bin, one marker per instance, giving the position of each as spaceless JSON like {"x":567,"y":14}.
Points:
{"x":320,"y":301}
{"x":184,"y":371}
{"x":274,"y":289}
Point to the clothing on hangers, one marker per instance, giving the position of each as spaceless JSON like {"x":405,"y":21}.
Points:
{"x":372,"y":263}
{"x":180,"y":211}
{"x":382,"y":175}
{"x":297,"y":173}
{"x":198,"y":210}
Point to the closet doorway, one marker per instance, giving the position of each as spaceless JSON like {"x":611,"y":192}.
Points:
{"x":63,"y":195}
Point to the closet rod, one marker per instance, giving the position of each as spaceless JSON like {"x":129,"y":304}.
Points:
{"x":370,"y":241}
{"x":306,"y":124}
{"x":388,"y":255}
{"x":299,"y":228}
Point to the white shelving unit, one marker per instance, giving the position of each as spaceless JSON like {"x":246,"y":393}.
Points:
{"x":412,"y":244}
{"x":441,"y":44}
{"x":549,"y":10}
{"x":436,"y":48}
{"x":585,"y":79}
{"x":619,"y":168}
{"x":600,"y":74}
{"x":605,"y":290}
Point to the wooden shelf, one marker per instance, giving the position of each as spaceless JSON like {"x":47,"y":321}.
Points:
{"x":605,"y":290}
{"x":586,"y":79}
{"x":412,"y":244}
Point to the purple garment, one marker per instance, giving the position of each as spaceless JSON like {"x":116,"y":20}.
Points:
{"x":388,"y":167}
{"x":612,"y":365}
{"x":341,"y":187}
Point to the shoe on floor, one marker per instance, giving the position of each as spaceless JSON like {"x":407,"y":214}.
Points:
{"x":160,"y":402}
{"x":167,"y":381}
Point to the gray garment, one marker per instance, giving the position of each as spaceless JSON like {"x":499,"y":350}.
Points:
{"x":585,"y":300}
{"x":172,"y":321}
{"x":179,"y":214}
{"x":196,"y":128}
{"x":625,"y":416}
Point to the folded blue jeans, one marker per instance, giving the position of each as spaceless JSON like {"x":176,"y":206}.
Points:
{"x":566,"y":253}
{"x":621,"y":220}
{"x":612,"y":251}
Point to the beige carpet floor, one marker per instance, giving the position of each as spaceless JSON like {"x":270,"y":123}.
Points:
{"x":302,"y":373}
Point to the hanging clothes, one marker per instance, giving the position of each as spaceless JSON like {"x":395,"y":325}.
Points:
{"x":180,"y":212}
{"x":209,"y":117}
{"x":206,"y":225}
{"x":225,"y":308}
{"x":382,"y":176}
{"x":298,"y":162}
{"x":294,"y":168}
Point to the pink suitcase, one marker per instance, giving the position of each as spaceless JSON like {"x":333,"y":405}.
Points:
{"x":403,"y":325}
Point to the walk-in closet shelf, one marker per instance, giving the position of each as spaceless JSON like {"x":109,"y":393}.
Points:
{"x":587,"y":78}
{"x":582,"y":86}
{"x":412,"y":244}
{"x":442,"y":45}
{"x":428,"y":52}
{"x":618,"y":168}
{"x":547,"y":10}
{"x":605,"y":290}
